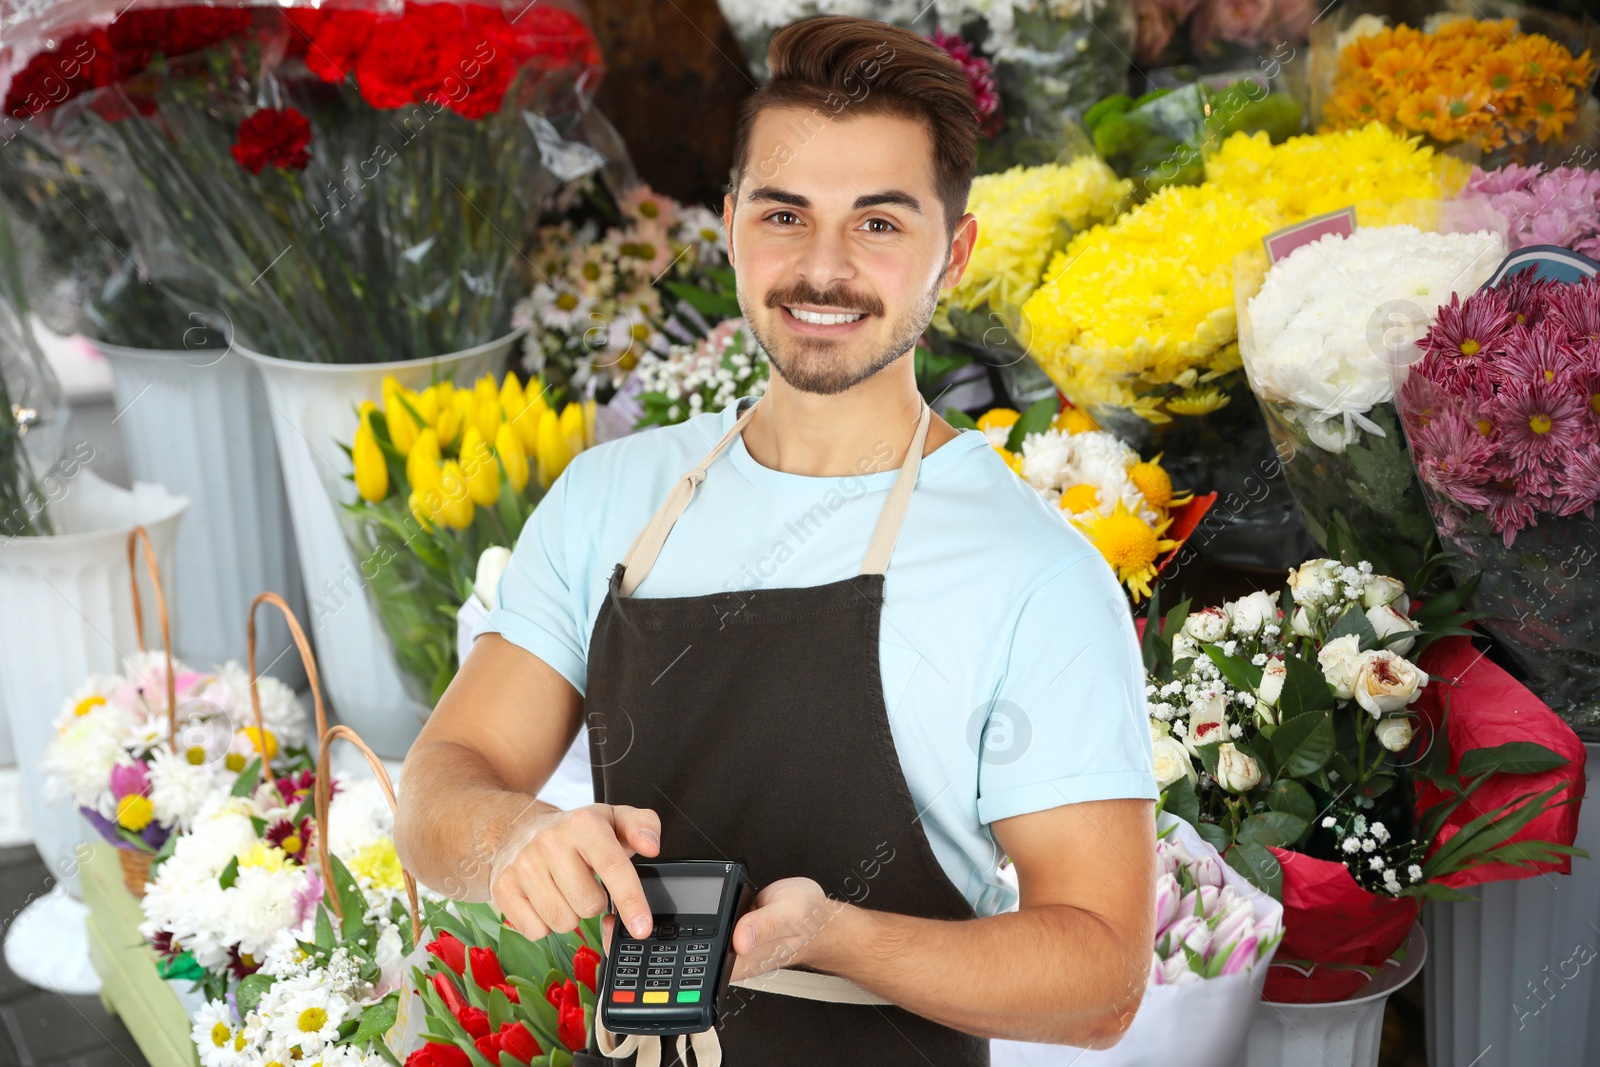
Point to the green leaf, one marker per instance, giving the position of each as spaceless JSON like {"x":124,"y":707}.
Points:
{"x":325,"y":938}
{"x":1303,"y":744}
{"x":1258,"y":865}
{"x":352,"y":902}
{"x":1180,"y":800}
{"x":1513,"y":757}
{"x":251,"y":989}
{"x":1240,"y":673}
{"x":230,"y":874}
{"x":248,"y":779}
{"x":1214,"y":835}
{"x":1208,"y":756}
{"x":499,"y":1009}
{"x":377,"y":1020}
{"x":1355,"y":621}
{"x":1304,"y":689}
{"x":1036,"y":419}
{"x":518,"y":955}
{"x":1276,"y":828}
{"x":1291,"y":798}
{"x":959,"y":419}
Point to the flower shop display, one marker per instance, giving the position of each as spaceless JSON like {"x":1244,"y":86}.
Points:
{"x":1207,"y":31}
{"x":609,"y":292}
{"x":1509,"y":88}
{"x":1336,"y":766}
{"x":1559,"y":206}
{"x":1504,"y":425}
{"x":753,"y":22}
{"x":727,"y":364}
{"x":1124,"y":505}
{"x":441,"y":474}
{"x":1320,"y":336}
{"x":396,"y":155}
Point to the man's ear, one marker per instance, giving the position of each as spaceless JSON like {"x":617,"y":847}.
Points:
{"x":727,"y":224}
{"x":961,"y":246}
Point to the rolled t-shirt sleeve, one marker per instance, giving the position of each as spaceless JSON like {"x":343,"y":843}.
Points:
{"x":536,"y":607}
{"x":1068,"y":723}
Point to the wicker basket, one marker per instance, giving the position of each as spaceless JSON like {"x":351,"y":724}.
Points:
{"x":135,"y":869}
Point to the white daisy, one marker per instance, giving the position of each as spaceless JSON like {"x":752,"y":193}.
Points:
{"x":179,"y":788}
{"x":214,"y":1031}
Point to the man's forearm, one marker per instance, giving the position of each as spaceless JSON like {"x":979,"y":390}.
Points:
{"x":1051,"y":973}
{"x":456,"y":815}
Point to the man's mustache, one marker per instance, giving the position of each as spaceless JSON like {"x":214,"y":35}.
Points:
{"x":803,"y":292}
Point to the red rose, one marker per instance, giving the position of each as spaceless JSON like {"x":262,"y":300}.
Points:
{"x":516,"y":1039}
{"x":449,"y":994}
{"x":486,"y":970}
{"x":447,"y":947}
{"x":474,"y":1021}
{"x":436,"y":1055}
{"x":338,"y":42}
{"x":585,"y":961}
{"x":273,"y":137}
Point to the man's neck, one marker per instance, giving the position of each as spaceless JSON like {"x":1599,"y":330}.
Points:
{"x":864,"y":429}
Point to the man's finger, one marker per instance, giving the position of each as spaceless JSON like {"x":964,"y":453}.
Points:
{"x":604,"y":854}
{"x":638,"y":829}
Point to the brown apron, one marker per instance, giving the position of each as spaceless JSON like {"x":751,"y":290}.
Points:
{"x":753,"y":723}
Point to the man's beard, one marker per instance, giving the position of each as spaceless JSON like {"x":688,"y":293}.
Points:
{"x":814,"y":364}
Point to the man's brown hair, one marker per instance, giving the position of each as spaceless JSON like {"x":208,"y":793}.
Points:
{"x":836,"y":67}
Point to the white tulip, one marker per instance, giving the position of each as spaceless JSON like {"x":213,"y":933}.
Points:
{"x":1385,"y":621}
{"x":1236,"y":772}
{"x":1249,"y":614}
{"x":491,"y":565}
{"x":1338,"y":660}
{"x":1172,"y":762}
{"x":1394,"y":733}
{"x":1206,"y":625}
{"x":1386,"y":682}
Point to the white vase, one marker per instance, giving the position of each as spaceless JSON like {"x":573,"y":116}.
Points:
{"x":313,"y":409}
{"x":68,"y":613}
{"x":196,"y":421}
{"x":1514,"y":980}
{"x":1344,"y":1033}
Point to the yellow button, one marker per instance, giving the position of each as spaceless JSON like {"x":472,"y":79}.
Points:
{"x":656,"y":996}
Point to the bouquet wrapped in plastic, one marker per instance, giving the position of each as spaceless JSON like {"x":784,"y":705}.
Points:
{"x":1342,"y":760}
{"x":330,"y":184}
{"x":1320,"y":332}
{"x":1209,"y":31}
{"x":1503,"y":415}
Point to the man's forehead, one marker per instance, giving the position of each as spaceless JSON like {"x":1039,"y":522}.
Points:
{"x":828,"y":158}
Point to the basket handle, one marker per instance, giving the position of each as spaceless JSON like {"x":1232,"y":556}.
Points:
{"x":306,"y":658}
{"x":136,"y":535}
{"x":323,"y":794}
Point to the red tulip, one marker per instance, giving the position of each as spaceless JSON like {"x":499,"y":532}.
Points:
{"x":584,"y":963}
{"x":449,"y":994}
{"x":516,"y":1039}
{"x":486,"y":970}
{"x":488,"y":1047}
{"x":570,"y":1029}
{"x":475,"y":1021}
{"x":450,"y":951}
{"x":435,"y":1055}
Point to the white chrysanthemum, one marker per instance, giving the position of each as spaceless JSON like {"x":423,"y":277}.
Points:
{"x":1046,"y":458}
{"x":261,"y":902}
{"x":308,"y":1018}
{"x":281,"y":712}
{"x":79,"y":758}
{"x":358,"y":815}
{"x":215,"y":1030}
{"x":178,"y":788}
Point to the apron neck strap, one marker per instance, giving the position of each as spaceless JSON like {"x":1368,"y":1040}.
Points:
{"x":647,"y":545}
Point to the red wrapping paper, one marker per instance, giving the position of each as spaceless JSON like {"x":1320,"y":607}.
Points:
{"x":1488,"y":707}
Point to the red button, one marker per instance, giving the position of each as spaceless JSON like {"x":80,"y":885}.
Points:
{"x":622,"y":996}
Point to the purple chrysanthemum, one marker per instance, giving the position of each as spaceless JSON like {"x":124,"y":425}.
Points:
{"x":1542,"y":425}
{"x":1537,"y":355}
{"x":1452,"y":455}
{"x":1456,"y":348}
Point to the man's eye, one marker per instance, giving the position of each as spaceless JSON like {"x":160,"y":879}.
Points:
{"x":879,"y":226}
{"x":783,"y":218}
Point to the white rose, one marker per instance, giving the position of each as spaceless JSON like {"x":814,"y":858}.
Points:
{"x":1206,"y":625}
{"x":1158,"y":730}
{"x":1380,"y":590}
{"x":1339,"y":660}
{"x":1306,"y":580}
{"x":1236,"y":772}
{"x":491,"y":565}
{"x":1386,"y":682}
{"x":1385,"y":621}
{"x":1300,"y":623}
{"x":1249,"y":614}
{"x":1394,"y":733}
{"x":1184,"y":647}
{"x":1207,"y":723}
{"x":1172,"y":762}
{"x":1272,"y":677}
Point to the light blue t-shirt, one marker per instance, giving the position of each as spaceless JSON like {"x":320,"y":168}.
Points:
{"x":1003,"y":630}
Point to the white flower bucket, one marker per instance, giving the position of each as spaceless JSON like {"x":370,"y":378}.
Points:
{"x":1514,"y":980}
{"x":313,"y":409}
{"x":196,"y":421}
{"x":1344,"y":1033}
{"x":68,"y":614}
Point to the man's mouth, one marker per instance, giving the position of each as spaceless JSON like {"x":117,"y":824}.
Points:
{"x":825,"y":318}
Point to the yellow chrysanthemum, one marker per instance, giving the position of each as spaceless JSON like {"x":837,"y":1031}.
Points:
{"x":1198,"y":402}
{"x":1080,"y":498}
{"x":265,"y":856}
{"x":1073,"y":421}
{"x":134,"y":812}
{"x":1012,"y":459}
{"x":1153,"y":482}
{"x":998,"y":419}
{"x":1130,"y":545}
{"x":378,"y":863}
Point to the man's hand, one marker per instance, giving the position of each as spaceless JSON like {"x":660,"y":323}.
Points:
{"x":545,"y":878}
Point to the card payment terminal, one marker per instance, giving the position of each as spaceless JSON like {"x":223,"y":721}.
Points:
{"x":671,"y":981}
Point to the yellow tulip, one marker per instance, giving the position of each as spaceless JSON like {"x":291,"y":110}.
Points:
{"x":482,"y":473}
{"x":528,"y":419}
{"x":449,"y":424}
{"x":511,"y":399}
{"x":588,"y":423}
{"x":402,"y":427}
{"x":455,"y":510}
{"x":427,"y":404}
{"x":554,"y":453}
{"x":572,"y":427}
{"x":423,"y":457}
{"x":372,"y":473}
{"x":508,"y":446}
{"x":488,"y":399}
{"x":419,"y":509}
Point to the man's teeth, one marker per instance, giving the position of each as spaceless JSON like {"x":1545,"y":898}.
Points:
{"x":817,"y":318}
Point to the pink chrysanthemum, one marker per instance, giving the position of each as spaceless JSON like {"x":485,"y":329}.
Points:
{"x":1576,"y":309}
{"x":1578,"y":485}
{"x":1542,"y":425}
{"x":1465,"y":333}
{"x":1527,"y":296}
{"x":1509,"y":509}
{"x":1453,"y":456}
{"x":980,"y":76}
{"x":1537,"y":355}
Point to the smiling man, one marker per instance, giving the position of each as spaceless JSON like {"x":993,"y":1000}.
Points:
{"x":824,"y":633}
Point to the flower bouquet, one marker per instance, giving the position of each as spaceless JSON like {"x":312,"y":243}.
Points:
{"x":727,"y":364}
{"x":335,"y":185}
{"x":606,"y":297}
{"x":1558,"y":207}
{"x":441,"y":475}
{"x":1320,"y":334}
{"x":1216,"y":29}
{"x":1504,"y":89}
{"x":755,"y":21}
{"x":1343,"y":777}
{"x":1124,"y":505}
{"x":32,"y":415}
{"x":1503,"y":416}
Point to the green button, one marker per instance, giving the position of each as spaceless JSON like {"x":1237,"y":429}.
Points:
{"x":688,"y":996}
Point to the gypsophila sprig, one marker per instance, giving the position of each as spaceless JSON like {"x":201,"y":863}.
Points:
{"x":728,"y":364}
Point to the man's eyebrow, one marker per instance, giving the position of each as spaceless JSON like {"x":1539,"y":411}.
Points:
{"x":777,"y":196}
{"x":888,"y":196}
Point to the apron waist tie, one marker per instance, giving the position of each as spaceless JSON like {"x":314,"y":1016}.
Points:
{"x":808,"y":985}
